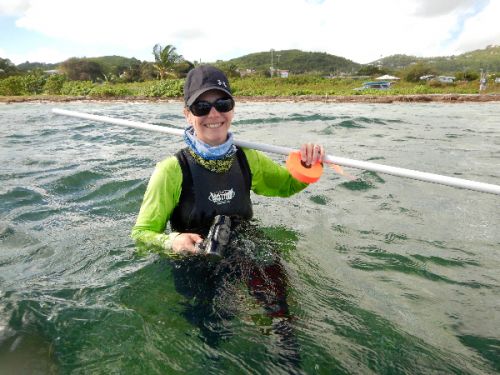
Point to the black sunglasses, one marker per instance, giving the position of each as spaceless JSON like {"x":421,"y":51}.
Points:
{"x":202,"y":107}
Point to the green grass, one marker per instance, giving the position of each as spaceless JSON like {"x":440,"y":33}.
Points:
{"x":324,"y":86}
{"x":300,"y":85}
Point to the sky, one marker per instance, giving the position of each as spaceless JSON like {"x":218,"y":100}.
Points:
{"x":363,"y":31}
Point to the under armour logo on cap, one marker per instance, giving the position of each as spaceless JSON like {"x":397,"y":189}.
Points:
{"x":202,"y":79}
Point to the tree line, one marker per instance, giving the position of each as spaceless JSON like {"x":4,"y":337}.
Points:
{"x":102,"y":76}
{"x":167,"y":64}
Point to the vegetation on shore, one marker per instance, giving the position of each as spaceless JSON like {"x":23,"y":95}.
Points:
{"x":311,"y":74}
{"x":249,"y":86}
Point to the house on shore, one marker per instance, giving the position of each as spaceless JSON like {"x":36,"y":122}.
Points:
{"x":281,"y":73}
{"x":446,"y":79}
{"x":442,"y":79}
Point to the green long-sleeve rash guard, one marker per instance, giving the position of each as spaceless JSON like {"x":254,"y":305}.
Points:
{"x":164,"y":191}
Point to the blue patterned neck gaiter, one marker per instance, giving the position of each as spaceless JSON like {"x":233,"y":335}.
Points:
{"x":208,"y":152}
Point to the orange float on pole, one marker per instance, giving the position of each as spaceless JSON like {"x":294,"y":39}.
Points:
{"x":302,"y":172}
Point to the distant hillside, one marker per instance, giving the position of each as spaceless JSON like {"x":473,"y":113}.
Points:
{"x":26,"y":66}
{"x":487,"y":59}
{"x":114,"y":64}
{"x":108,"y":64}
{"x":296,"y":62}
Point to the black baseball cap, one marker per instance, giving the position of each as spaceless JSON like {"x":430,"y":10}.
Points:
{"x":204,"y":78}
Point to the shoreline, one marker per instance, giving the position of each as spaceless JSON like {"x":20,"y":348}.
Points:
{"x":383,"y":99}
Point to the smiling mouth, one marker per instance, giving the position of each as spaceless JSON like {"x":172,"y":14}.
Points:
{"x":213,"y":126}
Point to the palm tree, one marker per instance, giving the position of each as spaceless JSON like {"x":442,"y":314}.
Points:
{"x":165,"y":59}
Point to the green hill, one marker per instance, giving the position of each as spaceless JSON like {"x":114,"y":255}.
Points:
{"x":109,"y":64}
{"x":296,"y":62}
{"x":114,"y":64}
{"x":487,"y":59}
{"x":27,"y":66}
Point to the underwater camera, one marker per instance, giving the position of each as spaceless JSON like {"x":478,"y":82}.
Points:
{"x":218,"y":236}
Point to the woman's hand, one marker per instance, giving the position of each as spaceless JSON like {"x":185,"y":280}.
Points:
{"x":311,"y":153}
{"x":185,"y":243}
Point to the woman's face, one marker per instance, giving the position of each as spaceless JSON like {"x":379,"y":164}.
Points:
{"x":212,"y":128}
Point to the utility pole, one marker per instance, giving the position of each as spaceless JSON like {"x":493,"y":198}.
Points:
{"x":272,"y":62}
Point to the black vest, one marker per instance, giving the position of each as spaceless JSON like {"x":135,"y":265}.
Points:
{"x":206,"y":194}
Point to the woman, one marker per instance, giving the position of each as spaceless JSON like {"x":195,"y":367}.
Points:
{"x":209,"y":179}
{"x":211,"y":176}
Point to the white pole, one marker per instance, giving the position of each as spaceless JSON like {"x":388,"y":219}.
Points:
{"x":111,"y":120}
{"x":395,"y":171}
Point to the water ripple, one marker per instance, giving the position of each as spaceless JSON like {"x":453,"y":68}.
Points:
{"x":383,"y":275}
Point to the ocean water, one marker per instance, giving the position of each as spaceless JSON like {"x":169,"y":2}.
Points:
{"x":378,"y":274}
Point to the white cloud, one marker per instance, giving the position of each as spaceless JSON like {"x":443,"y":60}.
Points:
{"x":480,"y":30}
{"x":13,"y":7}
{"x":431,"y":8}
{"x":359,"y":30}
{"x":42,"y":54}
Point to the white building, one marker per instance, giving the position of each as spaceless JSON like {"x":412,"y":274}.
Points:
{"x":446,"y":79}
{"x":282,"y":73}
